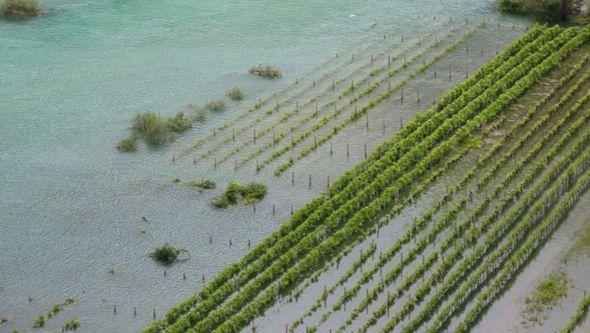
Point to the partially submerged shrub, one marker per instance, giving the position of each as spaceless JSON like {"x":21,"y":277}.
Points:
{"x":151,"y":127}
{"x":39,"y":322}
{"x":250,"y":194}
{"x":253,"y":192}
{"x":236,"y":94}
{"x":128,"y":144}
{"x":72,"y":325}
{"x":167,"y":254}
{"x":20,"y":9}
{"x":229,"y":197}
{"x":179,"y":123}
{"x":156,"y":129}
{"x":215,"y":106}
{"x":512,"y":6}
{"x":203,"y":184}
{"x":267,"y":71}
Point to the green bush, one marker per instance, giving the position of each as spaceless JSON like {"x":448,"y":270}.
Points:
{"x":128,"y":144}
{"x":153,"y":128}
{"x":204,"y":184}
{"x":72,"y":325}
{"x":250,"y":194}
{"x":179,"y":123}
{"x":253,"y":192}
{"x":267,"y":71}
{"x":512,"y":6}
{"x":156,"y":129}
{"x":166,"y":254}
{"x":216,"y":106}
{"x":39,"y":322}
{"x":236,"y":94}
{"x":20,"y":9}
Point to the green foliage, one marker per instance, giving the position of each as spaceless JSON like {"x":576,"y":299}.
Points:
{"x":128,"y":144}
{"x":20,"y":9}
{"x":202,"y":184}
{"x":215,"y":106}
{"x":72,"y":324}
{"x":167,"y":254}
{"x":253,"y":192}
{"x":236,"y":94}
{"x":266,"y":71}
{"x":179,"y":123}
{"x":39,"y":322}
{"x":578,"y":317}
{"x":155,"y":129}
{"x":250,"y":193}
{"x":545,"y":296}
{"x":513,"y":6}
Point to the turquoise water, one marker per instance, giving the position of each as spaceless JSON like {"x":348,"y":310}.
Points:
{"x":71,"y":204}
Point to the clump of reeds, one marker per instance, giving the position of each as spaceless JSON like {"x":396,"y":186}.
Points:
{"x":72,"y":324}
{"x":128,"y":145}
{"x":266,"y":71}
{"x":236,"y":94}
{"x":20,"y":9}
{"x":202,"y":184}
{"x":215,"y":106}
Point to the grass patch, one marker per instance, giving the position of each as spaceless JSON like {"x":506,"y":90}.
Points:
{"x":167,"y":254}
{"x":202,"y":184}
{"x":545,"y":297}
{"x":266,"y":71}
{"x":72,"y":324}
{"x":236,"y":94}
{"x":20,"y":9}
{"x":249,"y":194}
{"x":216,"y":106}
{"x":128,"y":144}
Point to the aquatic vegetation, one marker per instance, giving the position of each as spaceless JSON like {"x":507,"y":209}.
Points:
{"x":167,"y":254}
{"x":202,"y":184}
{"x":19,"y":9}
{"x":151,"y":127}
{"x":57,"y":308}
{"x":253,"y":192}
{"x":39,"y":322}
{"x":229,"y":197}
{"x":266,"y":71}
{"x":128,"y":144}
{"x":545,"y":296}
{"x":156,"y":129}
{"x":72,"y":324}
{"x":216,"y":106}
{"x":250,"y":194}
{"x":179,"y":123}
{"x":236,"y":94}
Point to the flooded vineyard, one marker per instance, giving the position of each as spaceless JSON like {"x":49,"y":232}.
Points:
{"x":390,"y":166}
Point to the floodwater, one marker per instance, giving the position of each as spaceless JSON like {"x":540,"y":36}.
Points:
{"x":71,"y":205}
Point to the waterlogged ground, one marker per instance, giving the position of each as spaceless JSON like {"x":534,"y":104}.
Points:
{"x":71,"y":205}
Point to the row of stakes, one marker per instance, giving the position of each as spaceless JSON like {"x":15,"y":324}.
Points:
{"x":402,"y":99}
{"x":435,"y":74}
